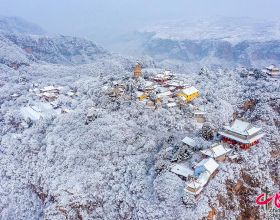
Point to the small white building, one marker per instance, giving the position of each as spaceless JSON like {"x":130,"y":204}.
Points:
{"x":171,"y":105}
{"x":164,"y":95}
{"x":189,"y":141}
{"x":199,"y":116}
{"x":195,"y":186}
{"x":181,"y":170}
{"x":216,"y":151}
{"x":162,"y":77}
{"x":242,"y":133}
{"x":49,"y":96}
{"x":206,"y":165}
{"x":177,"y":84}
{"x":204,"y":170}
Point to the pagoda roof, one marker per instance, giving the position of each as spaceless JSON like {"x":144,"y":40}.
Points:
{"x":238,"y":139}
{"x":242,"y":127}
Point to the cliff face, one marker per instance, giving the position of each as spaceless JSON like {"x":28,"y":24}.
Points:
{"x":224,"y":41}
{"x":245,"y":53}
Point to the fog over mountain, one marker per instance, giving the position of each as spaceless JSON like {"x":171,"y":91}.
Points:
{"x":222,"y":41}
{"x":103,"y":20}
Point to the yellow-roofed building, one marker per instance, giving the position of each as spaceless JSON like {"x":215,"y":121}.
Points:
{"x":189,"y":94}
{"x":141,"y":95}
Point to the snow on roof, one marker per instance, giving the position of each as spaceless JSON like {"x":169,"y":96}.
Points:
{"x":209,"y":164}
{"x":49,"y":94}
{"x":171,"y":104}
{"x":70,"y":93}
{"x":199,"y":113}
{"x":49,"y":88}
{"x":190,"y":90}
{"x":181,"y":170}
{"x":253,"y":130}
{"x":175,"y":83}
{"x":239,"y":126}
{"x":172,"y":88}
{"x":194,"y":184}
{"x":216,"y":150}
{"x":138,"y":93}
{"x":203,"y":178}
{"x":199,"y":183}
{"x":189,"y":141}
{"x":163,"y":94}
{"x":149,"y":83}
{"x":162,"y":76}
{"x":242,"y":127}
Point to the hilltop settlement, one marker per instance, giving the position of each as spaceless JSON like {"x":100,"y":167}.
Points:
{"x":168,"y":90}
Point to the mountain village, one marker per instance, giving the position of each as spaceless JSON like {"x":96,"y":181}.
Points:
{"x":169,"y":91}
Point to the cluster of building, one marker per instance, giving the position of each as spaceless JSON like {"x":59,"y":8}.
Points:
{"x":163,"y":88}
{"x":47,"y":104}
{"x":239,"y":134}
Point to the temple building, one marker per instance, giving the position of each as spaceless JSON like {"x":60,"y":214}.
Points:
{"x":241,"y":133}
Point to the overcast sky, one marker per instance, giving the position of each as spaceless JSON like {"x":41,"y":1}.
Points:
{"x":84,"y":17}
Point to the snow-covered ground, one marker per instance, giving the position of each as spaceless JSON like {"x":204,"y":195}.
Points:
{"x":117,"y":166}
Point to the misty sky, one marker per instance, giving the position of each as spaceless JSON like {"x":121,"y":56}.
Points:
{"x":86,"y":17}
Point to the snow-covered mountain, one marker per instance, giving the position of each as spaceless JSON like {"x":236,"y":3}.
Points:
{"x":20,"y":26}
{"x":230,"y":29}
{"x":225,"y":41}
{"x":31,"y":44}
{"x":57,"y":49}
{"x":117,"y":165}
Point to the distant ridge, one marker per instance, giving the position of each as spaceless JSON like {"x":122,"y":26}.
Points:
{"x":19,"y":26}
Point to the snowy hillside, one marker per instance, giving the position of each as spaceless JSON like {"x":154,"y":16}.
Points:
{"x":92,"y":155}
{"x":23,"y":42}
{"x":55,"y":49}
